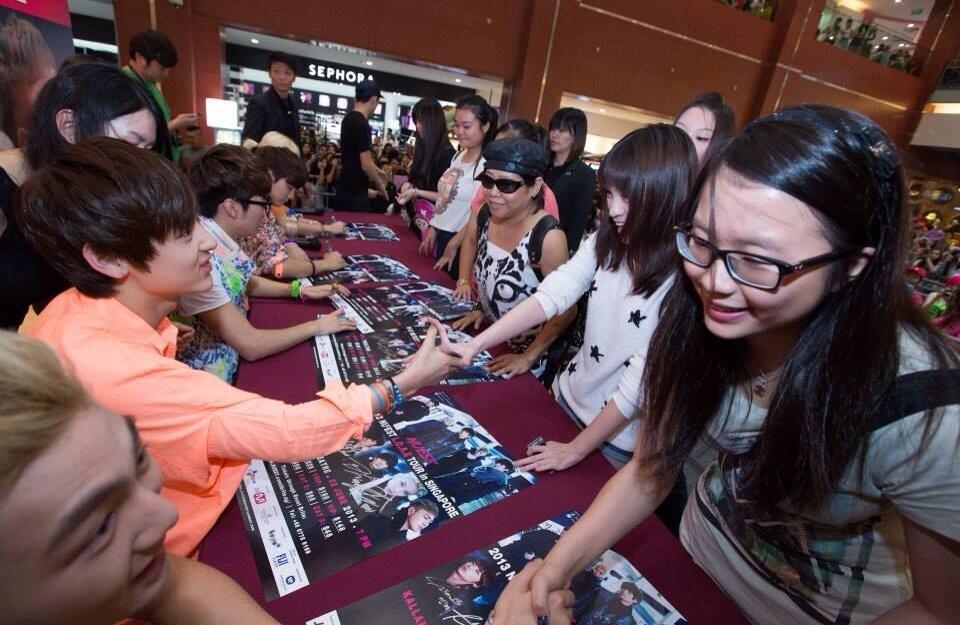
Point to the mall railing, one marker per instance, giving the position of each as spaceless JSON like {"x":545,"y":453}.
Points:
{"x":765,"y":9}
{"x":870,"y":41}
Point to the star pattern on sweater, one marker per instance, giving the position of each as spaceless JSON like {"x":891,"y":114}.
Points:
{"x":593,"y":287}
{"x":595,"y":353}
{"x":636,"y":317}
{"x":571,"y":367}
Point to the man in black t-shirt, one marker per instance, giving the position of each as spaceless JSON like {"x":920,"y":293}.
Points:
{"x":359,"y":167}
{"x":275,"y":109}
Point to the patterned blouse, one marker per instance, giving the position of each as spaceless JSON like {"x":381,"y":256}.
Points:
{"x":266,"y":247}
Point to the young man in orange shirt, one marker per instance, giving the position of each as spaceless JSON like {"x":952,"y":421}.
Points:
{"x":121,"y":225}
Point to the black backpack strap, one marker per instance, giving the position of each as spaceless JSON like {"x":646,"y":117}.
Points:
{"x":483,"y":217}
{"x":918,"y":392}
{"x":540,"y":230}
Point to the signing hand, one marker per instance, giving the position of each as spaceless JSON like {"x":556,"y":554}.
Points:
{"x":334,"y":322}
{"x":333,"y":260}
{"x":516,"y":605}
{"x":335,"y":228}
{"x":429,"y":241}
{"x":510,"y":365}
{"x":552,"y":456}
{"x":474,"y":317}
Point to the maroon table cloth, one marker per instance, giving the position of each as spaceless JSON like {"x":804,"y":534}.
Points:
{"x":515,"y":412}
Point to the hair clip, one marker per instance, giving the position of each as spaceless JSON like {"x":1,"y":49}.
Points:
{"x":886,"y":158}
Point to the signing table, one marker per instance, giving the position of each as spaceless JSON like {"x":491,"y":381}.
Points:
{"x":515,"y":412}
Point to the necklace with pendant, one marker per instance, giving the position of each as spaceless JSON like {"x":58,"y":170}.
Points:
{"x":760,"y":385}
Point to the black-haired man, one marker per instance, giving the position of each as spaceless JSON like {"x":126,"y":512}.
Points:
{"x":152,"y":56}
{"x":276,"y":108}
{"x":359,"y":167}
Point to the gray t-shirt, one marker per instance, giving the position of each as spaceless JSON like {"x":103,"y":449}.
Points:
{"x":847,"y":563}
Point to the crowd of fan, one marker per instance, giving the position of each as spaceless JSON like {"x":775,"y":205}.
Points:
{"x":934,"y":274}
{"x":861,"y":39}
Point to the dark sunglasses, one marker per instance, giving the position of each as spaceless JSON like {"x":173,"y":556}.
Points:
{"x":246,"y":202}
{"x":503,"y":185}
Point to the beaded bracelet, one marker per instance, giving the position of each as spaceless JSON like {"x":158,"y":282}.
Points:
{"x":295,"y":289}
{"x":397,"y":396}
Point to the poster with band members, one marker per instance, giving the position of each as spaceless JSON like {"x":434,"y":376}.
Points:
{"x":420,"y":466}
{"x":399,"y":305}
{"x":610,"y":592}
{"x":367,"y":268}
{"x":369,"y":232}
{"x":358,"y":358}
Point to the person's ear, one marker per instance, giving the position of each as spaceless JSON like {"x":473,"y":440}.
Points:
{"x":859,"y":262}
{"x":108,"y":265}
{"x":536,"y":187}
{"x":66,"y":124}
{"x":231,"y":207}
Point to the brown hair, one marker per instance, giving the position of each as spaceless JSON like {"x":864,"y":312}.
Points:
{"x":107,"y":194}
{"x":724,"y":121}
{"x":227,"y":171}
{"x":23,"y":54}
{"x":283,"y":163}
{"x":654,"y":169}
{"x":37,"y":400}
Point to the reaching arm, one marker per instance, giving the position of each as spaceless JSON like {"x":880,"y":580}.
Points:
{"x":374,"y":174}
{"x":627,"y":499}
{"x":554,"y":456}
{"x":253,"y":343}
{"x":468,"y":255}
{"x":197,"y":593}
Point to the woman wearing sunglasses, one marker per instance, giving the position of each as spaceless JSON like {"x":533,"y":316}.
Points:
{"x":817,"y":406}
{"x":517,"y":244}
{"x":625,"y":268}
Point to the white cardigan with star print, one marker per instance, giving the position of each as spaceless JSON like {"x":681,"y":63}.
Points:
{"x":619,"y":325}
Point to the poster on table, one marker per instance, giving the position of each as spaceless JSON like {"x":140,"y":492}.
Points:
{"x":422,"y":465}
{"x":610,"y":592}
{"x":361,"y":358}
{"x":367,"y":268}
{"x":369,"y":232}
{"x":399,"y":305}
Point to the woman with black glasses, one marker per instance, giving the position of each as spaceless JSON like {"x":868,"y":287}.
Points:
{"x":518,"y":244}
{"x":625,"y":268}
{"x":815,"y":406}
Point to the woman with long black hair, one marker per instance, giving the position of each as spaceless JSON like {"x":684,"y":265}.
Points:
{"x":793,"y":374}
{"x":571,"y":179}
{"x":431,"y":155}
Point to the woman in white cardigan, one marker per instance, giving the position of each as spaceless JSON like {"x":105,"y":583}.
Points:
{"x":625,"y":268}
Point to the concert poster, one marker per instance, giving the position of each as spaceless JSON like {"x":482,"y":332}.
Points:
{"x":359,"y":358}
{"x":610,"y":592}
{"x":367,"y":268}
{"x":399,"y":305}
{"x":369,"y":232}
{"x":420,"y":466}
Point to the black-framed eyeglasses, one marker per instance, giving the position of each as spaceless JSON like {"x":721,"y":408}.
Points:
{"x":247,"y":201}
{"x":760,"y":272}
{"x":504,"y":185}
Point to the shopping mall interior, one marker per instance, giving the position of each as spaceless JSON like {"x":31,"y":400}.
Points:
{"x":513,"y":312}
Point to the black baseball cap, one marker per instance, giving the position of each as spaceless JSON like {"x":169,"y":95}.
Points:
{"x":367,"y":89}
{"x":515,"y":155}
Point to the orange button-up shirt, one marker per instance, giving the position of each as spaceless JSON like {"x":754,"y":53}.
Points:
{"x":200,"y":430}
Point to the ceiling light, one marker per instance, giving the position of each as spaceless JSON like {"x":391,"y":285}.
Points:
{"x":910,"y":25}
{"x":603,"y":110}
{"x":368,"y":62}
{"x":457,"y":80}
{"x":897,"y":1}
{"x":884,"y":38}
{"x":254,"y":40}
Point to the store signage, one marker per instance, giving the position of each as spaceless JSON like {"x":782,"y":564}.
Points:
{"x":336,"y":74}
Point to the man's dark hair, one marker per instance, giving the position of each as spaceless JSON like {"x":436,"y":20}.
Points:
{"x":387,"y":456}
{"x":153,"y":46}
{"x":632,"y":589}
{"x":110,"y":195}
{"x":96,"y":93}
{"x":282,"y":57}
{"x":283,"y":163}
{"x":227,"y":171}
{"x":427,"y":505}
